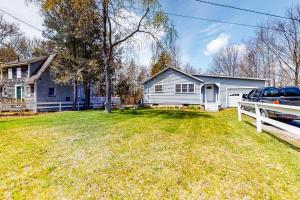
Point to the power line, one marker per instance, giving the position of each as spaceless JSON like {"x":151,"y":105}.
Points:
{"x":244,"y":9}
{"x":215,"y":20}
{"x":20,"y":20}
{"x":168,"y":13}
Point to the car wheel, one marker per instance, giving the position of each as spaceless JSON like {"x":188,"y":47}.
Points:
{"x":264,"y":113}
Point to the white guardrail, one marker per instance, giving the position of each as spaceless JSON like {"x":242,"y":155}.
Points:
{"x":258,"y":107}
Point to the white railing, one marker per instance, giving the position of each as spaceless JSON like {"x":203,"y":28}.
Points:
{"x":64,"y":105}
{"x":282,"y":109}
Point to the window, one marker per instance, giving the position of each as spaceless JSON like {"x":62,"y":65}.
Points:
{"x":19,"y":74}
{"x":290,"y":92}
{"x":191,"y":88}
{"x":158,"y":88}
{"x":51,"y":92}
{"x":271,"y":92}
{"x":10,"y":73}
{"x":184,"y":88}
{"x":68,"y":99}
{"x":178,"y":88}
{"x":27,"y":91}
{"x":256,"y":94}
{"x":4,"y":92}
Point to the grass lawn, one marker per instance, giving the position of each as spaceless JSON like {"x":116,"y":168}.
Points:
{"x":144,"y":154}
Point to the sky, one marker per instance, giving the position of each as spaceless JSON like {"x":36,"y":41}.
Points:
{"x":198,"y":40}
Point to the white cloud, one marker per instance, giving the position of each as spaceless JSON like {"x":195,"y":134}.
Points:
{"x":214,"y":28}
{"x":215,"y":45}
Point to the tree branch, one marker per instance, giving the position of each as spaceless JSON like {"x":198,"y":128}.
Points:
{"x":134,"y":32}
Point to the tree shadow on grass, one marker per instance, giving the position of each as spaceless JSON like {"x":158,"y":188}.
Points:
{"x":293,"y":146}
{"x":168,"y":114}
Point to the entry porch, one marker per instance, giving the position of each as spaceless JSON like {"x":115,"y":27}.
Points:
{"x":210,"y":96}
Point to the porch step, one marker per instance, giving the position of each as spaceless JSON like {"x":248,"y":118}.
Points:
{"x":212,"y":107}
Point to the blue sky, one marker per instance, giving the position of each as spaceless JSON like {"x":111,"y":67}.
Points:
{"x":194,"y":35}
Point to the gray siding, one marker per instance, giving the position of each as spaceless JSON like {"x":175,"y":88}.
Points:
{"x":168,"y":97}
{"x":227,"y":83}
{"x":10,"y":84}
{"x":45,"y":82}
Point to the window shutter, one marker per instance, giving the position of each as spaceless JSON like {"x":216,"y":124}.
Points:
{"x":10,"y":73}
{"x":19,"y":74}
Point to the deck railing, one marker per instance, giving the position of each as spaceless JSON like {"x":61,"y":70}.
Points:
{"x":257,"y":114}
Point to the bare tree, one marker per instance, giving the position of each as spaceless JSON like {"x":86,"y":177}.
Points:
{"x":283,"y":41}
{"x":7,"y":30}
{"x":227,"y":61}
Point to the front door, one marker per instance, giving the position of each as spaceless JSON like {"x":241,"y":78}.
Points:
{"x":18,"y":92}
{"x":209,"y":92}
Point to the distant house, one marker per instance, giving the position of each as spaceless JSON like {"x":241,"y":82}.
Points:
{"x":175,"y":87}
{"x":31,"y":81}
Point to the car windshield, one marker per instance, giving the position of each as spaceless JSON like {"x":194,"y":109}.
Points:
{"x":289,"y":92}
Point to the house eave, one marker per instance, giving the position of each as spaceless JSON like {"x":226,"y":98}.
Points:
{"x":24,"y":63}
{"x":232,"y":77}
{"x":180,"y":71}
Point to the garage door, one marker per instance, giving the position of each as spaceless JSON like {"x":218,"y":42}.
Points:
{"x":234,"y":98}
{"x":236,"y":95}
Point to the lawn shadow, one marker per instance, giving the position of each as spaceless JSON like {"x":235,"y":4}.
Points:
{"x":289,"y":144}
{"x":168,"y":114}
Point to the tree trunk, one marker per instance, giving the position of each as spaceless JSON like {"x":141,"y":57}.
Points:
{"x":75,"y":99}
{"x":297,"y":76}
{"x":87,"y":95}
{"x":106,"y":58}
{"x":108,"y":88}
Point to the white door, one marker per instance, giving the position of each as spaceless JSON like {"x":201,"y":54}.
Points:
{"x":234,"y":98}
{"x":209,"y":92}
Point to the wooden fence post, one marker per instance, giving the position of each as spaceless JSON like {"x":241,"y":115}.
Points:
{"x":258,"y":119}
{"x":239,"y":112}
{"x":59,"y":106}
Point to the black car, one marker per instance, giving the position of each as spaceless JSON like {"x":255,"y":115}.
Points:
{"x":284,"y":96}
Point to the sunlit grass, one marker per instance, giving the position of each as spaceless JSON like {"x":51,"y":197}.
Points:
{"x":147,"y":154}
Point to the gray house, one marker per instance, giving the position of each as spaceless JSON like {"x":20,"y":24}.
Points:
{"x":175,"y":87}
{"x":31,"y":81}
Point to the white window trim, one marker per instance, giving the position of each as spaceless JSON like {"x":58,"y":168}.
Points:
{"x":162,"y":88}
{"x":19,"y":72}
{"x":9,"y":73}
{"x":16,"y":91}
{"x":187,"y":88}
